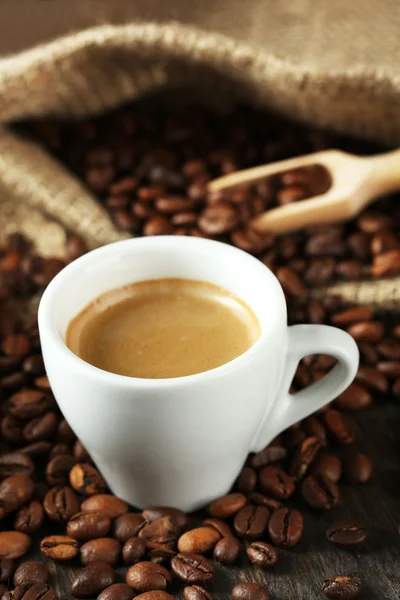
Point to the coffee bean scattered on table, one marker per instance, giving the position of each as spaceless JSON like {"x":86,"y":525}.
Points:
{"x":341,"y":587}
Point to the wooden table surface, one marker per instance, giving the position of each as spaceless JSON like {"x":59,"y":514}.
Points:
{"x":300,"y":572}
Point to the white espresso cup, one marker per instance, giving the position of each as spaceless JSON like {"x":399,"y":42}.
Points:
{"x":182,"y":441}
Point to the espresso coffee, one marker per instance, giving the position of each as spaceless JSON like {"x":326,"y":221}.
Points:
{"x":163,"y":328}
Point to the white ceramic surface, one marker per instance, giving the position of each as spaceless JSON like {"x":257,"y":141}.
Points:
{"x":182,"y":442}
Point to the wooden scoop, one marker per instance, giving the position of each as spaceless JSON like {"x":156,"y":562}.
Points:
{"x":355,"y":182}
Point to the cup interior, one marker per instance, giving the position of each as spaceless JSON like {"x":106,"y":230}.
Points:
{"x":142,"y":259}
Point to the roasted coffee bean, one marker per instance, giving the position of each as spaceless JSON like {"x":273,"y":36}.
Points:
{"x":15,"y":491}
{"x":160,"y":555}
{"x":59,"y":547}
{"x":356,"y":397}
{"x":40,"y":591}
{"x":227,"y":550}
{"x":348,"y":534}
{"x":155,"y":595}
{"x":368,"y":353}
{"x":41,"y":428}
{"x":11,"y":430}
{"x":29,"y":518}
{"x":341,"y":587}
{"x":366,"y":331}
{"x":80,"y":453}
{"x":152,"y":514}
{"x":383,"y":242}
{"x":314,"y":428}
{"x":86,"y":526}
{"x":386,"y":264}
{"x":227,"y":506}
{"x":108,"y":505}
{"x":65,"y":434}
{"x":100,"y":550}
{"x":350,"y":269}
{"x":262,"y":554}
{"x":270,"y":454}
{"x":117,"y":591}
{"x":192,"y":568}
{"x":75,"y":247}
{"x":196,"y":592}
{"x":374,"y":222}
{"x":58,"y":469}
{"x":320,"y":492}
{"x":15,"y":463}
{"x":14,"y":544}
{"x":223,"y":528}
{"x":249,"y":591}
{"x":58,"y":449}
{"x":291,"y":194}
{"x":219,"y":219}
{"x":285,"y":527}
{"x":31,"y":572}
{"x":261,"y":500}
{"x":60,"y":504}
{"x":86,"y":480}
{"x":329,"y":466}
{"x":251,"y":521}
{"x":157,"y":226}
{"x":7,"y":567}
{"x":291,"y":282}
{"x":276,"y":483}
{"x":338,"y":427}
{"x":305,"y":454}
{"x":146,"y":577}
{"x":199,"y":540}
{"x":92,"y":580}
{"x":127,"y":525}
{"x":247,"y":480}
{"x":33,"y":365}
{"x":14,"y":381}
{"x":326,"y":242}
{"x":133,"y":550}
{"x":15,"y":594}
{"x":372,"y":378}
{"x":164,"y":531}
{"x":37,"y":449}
{"x":391,"y":368}
{"x":16,"y":344}
{"x":358,"y":469}
{"x":389,"y":348}
{"x":28,"y":404}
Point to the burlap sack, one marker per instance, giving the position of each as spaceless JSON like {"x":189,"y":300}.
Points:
{"x":98,"y":69}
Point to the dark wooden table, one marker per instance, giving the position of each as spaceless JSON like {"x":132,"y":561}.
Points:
{"x":300,"y":572}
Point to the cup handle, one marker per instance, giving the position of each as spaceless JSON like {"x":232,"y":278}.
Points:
{"x":304,"y":340}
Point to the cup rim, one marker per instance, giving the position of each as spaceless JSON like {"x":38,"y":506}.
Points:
{"x":48,"y":329}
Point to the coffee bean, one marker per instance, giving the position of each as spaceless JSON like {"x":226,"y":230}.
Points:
{"x":11,"y":430}
{"x":227,"y":550}
{"x":152,"y":514}
{"x":164,"y":531}
{"x":59,"y":547}
{"x":60,"y":504}
{"x":37,"y":449}
{"x":261,"y":500}
{"x":372,"y":378}
{"x":303,"y":457}
{"x":341,"y":587}
{"x":145,"y":577}
{"x":33,"y":365}
{"x":285,"y":527}
{"x":28,"y":404}
{"x":15,"y":594}
{"x":247,"y":480}
{"x":329,"y":466}
{"x":227,"y":506}
{"x":14,"y":544}
{"x":383,"y":242}
{"x":31,"y":572}
{"x":58,"y":449}
{"x":58,"y":469}
{"x":17,"y":344}
{"x":157,"y":226}
{"x":7,"y":567}
{"x":320,"y":492}
{"x":86,"y":480}
{"x":29,"y":518}
{"x":117,"y":591}
{"x":249,"y":591}
{"x":386,"y":264}
{"x":262,"y":554}
{"x":160,"y":555}
{"x":389,"y":348}
{"x":218,"y":219}
{"x":355,"y":397}
{"x":92,"y":580}
{"x":338,"y":427}
{"x":327,"y":242}
{"x":251,"y":521}
{"x":314,"y":428}
{"x":291,"y":282}
{"x":14,"y":381}
{"x":15,"y":463}
{"x":15,"y":491}
{"x":41,"y":428}
{"x":133,"y":550}
{"x":155,"y":595}
{"x":127,"y":525}
{"x":80,"y":452}
{"x":251,"y":241}
{"x":290,"y":194}
{"x":391,"y":368}
{"x":348,"y":534}
{"x":366,"y":331}
{"x":86,"y":526}
{"x":276,"y":483}
{"x":109,"y":505}
{"x":223,"y":528}
{"x":192,"y":568}
{"x":270,"y":454}
{"x":199,"y":540}
{"x":65,"y":434}
{"x":196,"y":592}
{"x":40,"y":591}
{"x":75,"y":247}
{"x":358,"y":469}
{"x":100,"y":550}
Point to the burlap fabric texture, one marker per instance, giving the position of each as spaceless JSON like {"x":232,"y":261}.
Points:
{"x":100,"y":68}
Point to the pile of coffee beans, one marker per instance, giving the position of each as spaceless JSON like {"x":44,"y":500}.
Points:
{"x":150,"y":169}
